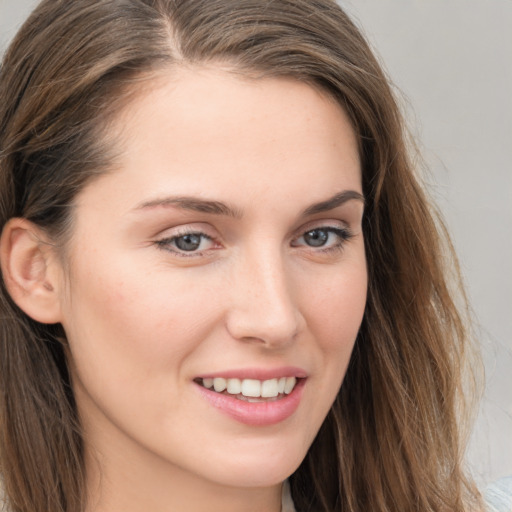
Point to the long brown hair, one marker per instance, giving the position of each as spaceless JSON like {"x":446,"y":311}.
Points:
{"x":392,"y":438}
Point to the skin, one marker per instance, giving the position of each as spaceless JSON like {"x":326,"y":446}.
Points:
{"x":144,"y":319}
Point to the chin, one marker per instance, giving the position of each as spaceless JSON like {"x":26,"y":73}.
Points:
{"x":255,"y":478}
{"x":258,"y":469}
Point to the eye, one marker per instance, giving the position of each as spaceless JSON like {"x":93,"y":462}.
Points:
{"x":193,"y":242}
{"x":325,"y":237}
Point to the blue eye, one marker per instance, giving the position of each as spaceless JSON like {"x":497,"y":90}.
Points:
{"x":316,"y":237}
{"x":186,"y":243}
{"x":324,"y":237}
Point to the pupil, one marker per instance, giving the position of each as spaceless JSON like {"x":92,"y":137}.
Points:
{"x":188,"y":242}
{"x":316,"y":237}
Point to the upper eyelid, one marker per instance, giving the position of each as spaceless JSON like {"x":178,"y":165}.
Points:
{"x":201,"y":229}
{"x":185,"y":233}
{"x":347,"y":232}
{"x":185,"y":229}
{"x":319,"y":224}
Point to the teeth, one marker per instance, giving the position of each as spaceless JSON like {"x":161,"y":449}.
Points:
{"x":252,"y":388}
{"x":235,"y":387}
{"x":269,"y":388}
{"x":290,"y":384}
{"x":219,"y":384}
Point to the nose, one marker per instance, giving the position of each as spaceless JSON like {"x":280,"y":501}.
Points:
{"x":263,"y":305}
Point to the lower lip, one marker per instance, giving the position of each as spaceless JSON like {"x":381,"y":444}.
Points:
{"x":255,"y":413}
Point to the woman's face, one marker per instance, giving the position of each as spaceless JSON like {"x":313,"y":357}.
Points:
{"x":225,"y":249}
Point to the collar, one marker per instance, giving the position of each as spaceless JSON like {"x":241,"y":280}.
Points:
{"x":286,"y":498}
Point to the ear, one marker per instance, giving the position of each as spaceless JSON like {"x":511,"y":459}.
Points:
{"x":31,"y":270}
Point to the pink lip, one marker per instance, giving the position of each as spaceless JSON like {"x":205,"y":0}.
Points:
{"x":258,"y":373}
{"x":255,"y":413}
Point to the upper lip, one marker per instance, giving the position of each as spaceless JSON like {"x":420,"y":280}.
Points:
{"x":257,"y":373}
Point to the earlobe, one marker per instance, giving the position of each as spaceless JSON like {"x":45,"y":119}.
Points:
{"x":29,"y":269}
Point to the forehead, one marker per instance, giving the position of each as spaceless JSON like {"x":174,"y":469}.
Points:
{"x":204,"y":129}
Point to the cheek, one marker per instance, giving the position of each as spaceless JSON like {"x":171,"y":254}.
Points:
{"x":335,"y":315}
{"x":134,"y":321}
{"x":336,"y":309}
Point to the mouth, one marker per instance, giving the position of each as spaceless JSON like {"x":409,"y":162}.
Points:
{"x":254,"y":396}
{"x":251,"y":390}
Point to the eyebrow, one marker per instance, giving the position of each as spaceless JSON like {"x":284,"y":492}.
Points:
{"x":333,"y":202}
{"x":219,"y":208}
{"x":193,"y":204}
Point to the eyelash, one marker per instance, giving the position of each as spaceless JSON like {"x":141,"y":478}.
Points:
{"x":166,"y":244}
{"x":344,"y":235}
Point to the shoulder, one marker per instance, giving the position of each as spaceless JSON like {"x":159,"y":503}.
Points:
{"x":498,"y":495}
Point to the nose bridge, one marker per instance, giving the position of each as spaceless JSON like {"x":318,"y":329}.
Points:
{"x":264,"y":307}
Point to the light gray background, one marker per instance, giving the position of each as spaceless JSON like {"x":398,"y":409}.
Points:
{"x":452,"y":62}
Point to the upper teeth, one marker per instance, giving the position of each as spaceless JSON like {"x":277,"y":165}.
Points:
{"x":252,"y":387}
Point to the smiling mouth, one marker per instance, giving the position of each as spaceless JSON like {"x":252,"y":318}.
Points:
{"x":251,"y":390}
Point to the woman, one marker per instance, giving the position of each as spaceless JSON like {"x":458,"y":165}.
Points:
{"x":220,"y":272}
